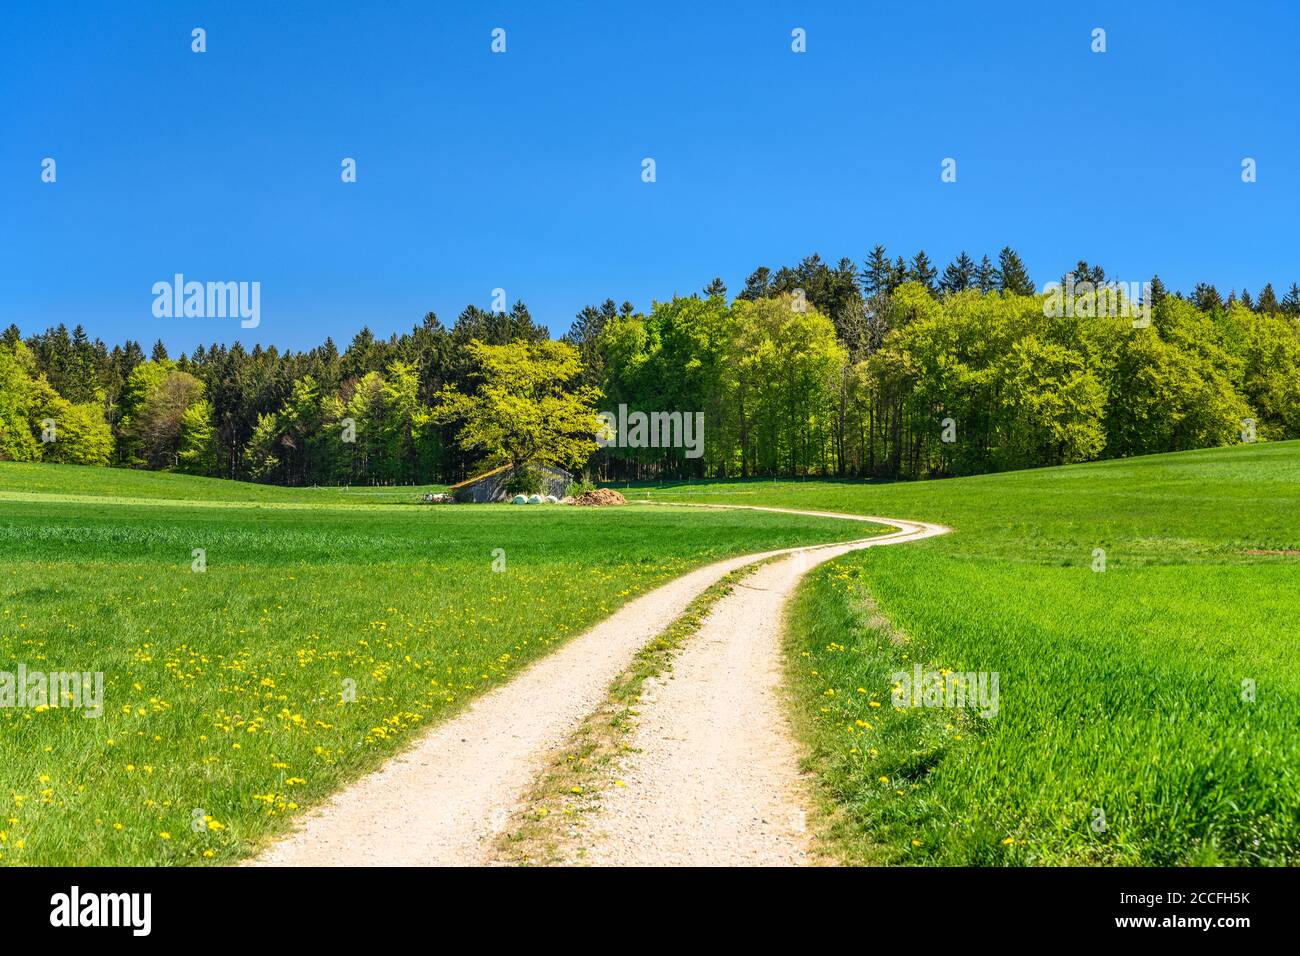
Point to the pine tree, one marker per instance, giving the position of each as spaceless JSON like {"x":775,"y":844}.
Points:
{"x":1206,"y":297}
{"x":159,"y":352}
{"x":1246,"y":300}
{"x":877,"y":273}
{"x":1012,"y":275}
{"x":361,"y":356}
{"x":924,"y":272}
{"x":758,"y":284}
{"x":899,"y":275}
{"x":1267,"y":300}
{"x":523,"y":328}
{"x":959,"y":275}
{"x":587,"y":326}
{"x":716,"y":289}
{"x":1083,"y":272}
{"x":1291,"y":304}
{"x":81,"y":379}
{"x":986,"y":277}
{"x":842,"y":296}
{"x":1156,"y":292}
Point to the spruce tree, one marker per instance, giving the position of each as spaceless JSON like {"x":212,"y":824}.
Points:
{"x":899,"y":275}
{"x":757,"y":285}
{"x":1267,"y":300}
{"x":1206,"y":297}
{"x":1156,"y":292}
{"x":716,"y":289}
{"x":960,"y":274}
{"x":1082,"y":272}
{"x":986,"y":277}
{"x":1291,"y":304}
{"x":1013,"y":277}
{"x":877,"y":273}
{"x":924,"y":272}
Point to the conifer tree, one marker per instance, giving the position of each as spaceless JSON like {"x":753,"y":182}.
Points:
{"x":1291,"y":304}
{"x":1012,"y":275}
{"x":1206,"y":297}
{"x":877,"y":273}
{"x":1157,"y":291}
{"x":959,"y":275}
{"x":1267,"y":300}
{"x":924,"y":272}
{"x":758,"y":284}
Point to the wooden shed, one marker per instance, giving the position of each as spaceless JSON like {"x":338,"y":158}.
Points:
{"x":491,"y":485}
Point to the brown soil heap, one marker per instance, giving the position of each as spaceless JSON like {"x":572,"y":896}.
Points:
{"x":599,"y":498}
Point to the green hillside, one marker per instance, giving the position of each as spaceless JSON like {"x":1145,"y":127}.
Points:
{"x":1122,"y":734}
{"x":226,"y":691}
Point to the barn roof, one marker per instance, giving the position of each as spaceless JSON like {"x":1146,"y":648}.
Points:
{"x":496,"y":471}
{"x":469,"y":481}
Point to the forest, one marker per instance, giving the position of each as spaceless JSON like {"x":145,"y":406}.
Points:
{"x":887,"y":368}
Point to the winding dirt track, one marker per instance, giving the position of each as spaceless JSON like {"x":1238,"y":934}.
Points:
{"x":717,"y":782}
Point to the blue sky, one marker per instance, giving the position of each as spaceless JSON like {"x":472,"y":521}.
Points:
{"x":523,"y":170}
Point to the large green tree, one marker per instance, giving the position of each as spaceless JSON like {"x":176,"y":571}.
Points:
{"x":525,"y":406}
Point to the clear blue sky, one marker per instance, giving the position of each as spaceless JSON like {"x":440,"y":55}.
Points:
{"x":523,"y":170}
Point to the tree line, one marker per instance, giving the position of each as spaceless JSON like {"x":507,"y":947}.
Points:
{"x":886,"y":368}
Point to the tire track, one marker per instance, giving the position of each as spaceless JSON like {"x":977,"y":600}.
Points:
{"x":443,"y":801}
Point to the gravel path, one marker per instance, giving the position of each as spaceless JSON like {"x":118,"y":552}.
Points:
{"x":713,"y":776}
{"x":443,"y":801}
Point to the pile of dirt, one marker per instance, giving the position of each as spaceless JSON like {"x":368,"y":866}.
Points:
{"x":599,"y":498}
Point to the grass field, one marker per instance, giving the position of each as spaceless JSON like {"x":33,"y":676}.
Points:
{"x":1123,"y":734}
{"x":21,"y":480}
{"x":226,"y":691}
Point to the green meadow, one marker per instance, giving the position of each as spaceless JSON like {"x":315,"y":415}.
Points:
{"x":327,"y":627}
{"x":1148,"y":713}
